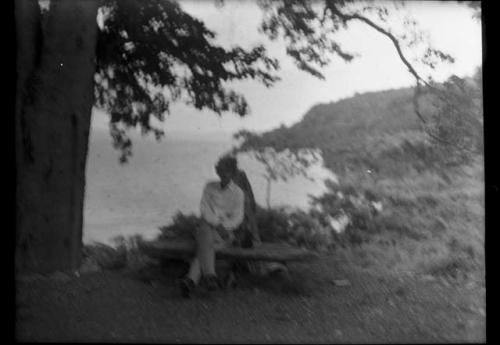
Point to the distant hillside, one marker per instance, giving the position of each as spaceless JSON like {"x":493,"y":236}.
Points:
{"x":375,"y":130}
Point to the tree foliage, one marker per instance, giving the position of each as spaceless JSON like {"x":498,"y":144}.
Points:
{"x":278,"y":165}
{"x":152,"y":53}
{"x":306,"y":31}
{"x":310,"y":30}
{"x":457,"y":120}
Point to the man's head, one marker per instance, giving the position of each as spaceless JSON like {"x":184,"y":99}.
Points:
{"x":226,"y":168}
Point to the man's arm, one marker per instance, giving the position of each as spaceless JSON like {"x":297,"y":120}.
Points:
{"x":206,"y":210}
{"x":235,"y":217}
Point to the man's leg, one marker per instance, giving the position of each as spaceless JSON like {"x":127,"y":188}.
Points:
{"x":189,"y":282}
{"x":204,"y":261}
{"x":194,"y":271}
{"x":205,"y":252}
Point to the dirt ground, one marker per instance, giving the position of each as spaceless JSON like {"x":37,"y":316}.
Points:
{"x":321,"y":302}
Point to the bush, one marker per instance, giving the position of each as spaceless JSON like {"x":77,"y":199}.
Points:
{"x":355,"y":203}
{"x":398,"y":223}
{"x":104,"y":256}
{"x":182,"y":226}
{"x":273,"y":224}
{"x":124,"y":254}
{"x":295,"y":227}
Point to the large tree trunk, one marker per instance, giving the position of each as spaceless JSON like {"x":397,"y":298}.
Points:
{"x":54,"y":101}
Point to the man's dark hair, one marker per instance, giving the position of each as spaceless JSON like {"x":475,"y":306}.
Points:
{"x":228,"y":162}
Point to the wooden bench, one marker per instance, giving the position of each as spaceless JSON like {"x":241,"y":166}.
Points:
{"x":185,"y":249}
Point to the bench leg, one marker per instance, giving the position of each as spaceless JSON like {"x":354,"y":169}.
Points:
{"x":229,"y":281}
{"x":228,"y":275}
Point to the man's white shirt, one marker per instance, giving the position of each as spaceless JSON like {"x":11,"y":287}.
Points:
{"x":223,"y":206}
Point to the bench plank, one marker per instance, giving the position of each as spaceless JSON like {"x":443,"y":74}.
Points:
{"x":185,"y":248}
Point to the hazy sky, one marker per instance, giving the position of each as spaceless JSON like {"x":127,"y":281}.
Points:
{"x":449,"y":24}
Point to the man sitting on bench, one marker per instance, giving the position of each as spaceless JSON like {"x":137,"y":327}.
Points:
{"x":222,"y":209}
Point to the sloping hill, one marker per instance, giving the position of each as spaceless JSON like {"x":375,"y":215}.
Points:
{"x":346,"y":121}
{"x":377,"y":131}
{"x":432,"y":212}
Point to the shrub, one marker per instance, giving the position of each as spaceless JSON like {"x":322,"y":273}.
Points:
{"x":130,"y":249}
{"x":105,"y":256}
{"x":309,"y":230}
{"x":356,"y":203}
{"x":124,"y":254}
{"x":181,"y":226}
{"x":273,"y":224}
{"x":295,"y":227}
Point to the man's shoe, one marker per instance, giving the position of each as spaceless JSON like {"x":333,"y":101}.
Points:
{"x":187,"y":286}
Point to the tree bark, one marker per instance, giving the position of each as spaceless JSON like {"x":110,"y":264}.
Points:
{"x":54,"y":101}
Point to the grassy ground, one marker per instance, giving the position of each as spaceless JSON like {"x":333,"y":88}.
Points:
{"x":416,"y":275}
{"x":430,"y":223}
{"x":310,"y":306}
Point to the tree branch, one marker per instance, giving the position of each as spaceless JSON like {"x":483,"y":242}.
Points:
{"x":394,"y":40}
{"x":356,"y":16}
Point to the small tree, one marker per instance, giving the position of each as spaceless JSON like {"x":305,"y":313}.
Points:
{"x":278,"y":164}
{"x":455,"y":120}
